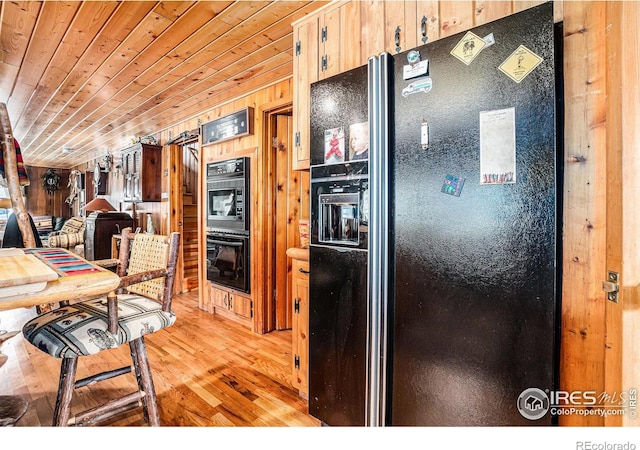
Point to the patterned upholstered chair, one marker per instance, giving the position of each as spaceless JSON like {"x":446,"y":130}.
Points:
{"x":70,"y":235}
{"x":142,"y":305}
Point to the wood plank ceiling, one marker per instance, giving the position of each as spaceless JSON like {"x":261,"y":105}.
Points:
{"x":92,"y":75}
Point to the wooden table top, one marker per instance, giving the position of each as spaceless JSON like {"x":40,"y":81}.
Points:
{"x":27,"y":279}
{"x":22,"y":274}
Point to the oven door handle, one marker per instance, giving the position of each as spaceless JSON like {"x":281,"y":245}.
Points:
{"x":227,"y":243}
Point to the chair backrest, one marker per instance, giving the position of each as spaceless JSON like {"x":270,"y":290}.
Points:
{"x":144,"y":252}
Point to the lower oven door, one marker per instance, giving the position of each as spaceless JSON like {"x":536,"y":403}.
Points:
{"x":227,"y":260}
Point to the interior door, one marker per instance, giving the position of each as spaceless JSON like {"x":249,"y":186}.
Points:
{"x":475,"y":227}
{"x":281,"y":138}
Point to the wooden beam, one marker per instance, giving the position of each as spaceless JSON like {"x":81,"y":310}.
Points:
{"x":13,"y":180}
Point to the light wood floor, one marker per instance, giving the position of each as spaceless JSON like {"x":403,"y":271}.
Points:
{"x":208,"y":371}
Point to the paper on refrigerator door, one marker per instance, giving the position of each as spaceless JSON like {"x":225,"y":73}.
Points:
{"x":498,"y":146}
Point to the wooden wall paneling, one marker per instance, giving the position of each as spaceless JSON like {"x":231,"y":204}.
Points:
{"x":38,"y":202}
{"x":585,"y":209}
{"x":630,"y":88}
{"x":487,"y":11}
{"x":455,"y":17}
{"x":305,"y":199}
{"x":373,"y":28}
{"x":614,"y":199}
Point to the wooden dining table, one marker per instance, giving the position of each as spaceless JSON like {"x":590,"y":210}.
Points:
{"x":35,"y":276}
{"x":38,"y":276}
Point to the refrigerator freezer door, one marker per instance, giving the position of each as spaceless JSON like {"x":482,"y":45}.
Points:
{"x":338,"y":257}
{"x":337,"y":335}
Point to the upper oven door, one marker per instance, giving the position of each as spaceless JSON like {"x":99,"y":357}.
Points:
{"x":226,"y":205}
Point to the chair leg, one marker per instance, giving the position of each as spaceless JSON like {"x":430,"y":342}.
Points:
{"x":140,"y":360}
{"x":65,"y":392}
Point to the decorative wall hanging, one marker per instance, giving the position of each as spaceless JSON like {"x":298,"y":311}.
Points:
{"x":74,"y":185}
{"x":51,"y":181}
{"x":228,"y":127}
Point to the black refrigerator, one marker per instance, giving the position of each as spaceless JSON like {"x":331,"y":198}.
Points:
{"x":434,"y":257}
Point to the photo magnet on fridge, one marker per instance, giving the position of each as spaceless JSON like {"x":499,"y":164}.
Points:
{"x":359,"y":141}
{"x":334,"y":145}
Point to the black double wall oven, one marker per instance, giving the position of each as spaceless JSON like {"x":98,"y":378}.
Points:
{"x":228,"y":186}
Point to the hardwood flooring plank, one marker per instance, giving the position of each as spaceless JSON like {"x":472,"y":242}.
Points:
{"x":208,"y":372}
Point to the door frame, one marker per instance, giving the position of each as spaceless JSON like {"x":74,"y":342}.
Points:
{"x":265,"y":320}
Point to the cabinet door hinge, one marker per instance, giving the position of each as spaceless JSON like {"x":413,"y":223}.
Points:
{"x":324,"y":63}
{"x":296,"y":306}
{"x":296,"y":361}
{"x":297,"y":139}
{"x":298,"y":48}
{"x":251,"y":307}
{"x":324,"y":34}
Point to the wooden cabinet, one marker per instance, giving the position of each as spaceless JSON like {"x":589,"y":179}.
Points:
{"x":142,"y":168}
{"x":342,"y":36}
{"x":300,"y":325}
{"x":305,"y":72}
{"x":225,"y":300}
{"x":325,"y":44}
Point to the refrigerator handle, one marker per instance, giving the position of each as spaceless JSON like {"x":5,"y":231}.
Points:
{"x":378,"y":89}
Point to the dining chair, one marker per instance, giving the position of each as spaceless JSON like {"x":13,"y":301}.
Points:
{"x":141,"y":306}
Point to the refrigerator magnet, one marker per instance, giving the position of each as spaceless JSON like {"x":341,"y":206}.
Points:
{"x":423,"y":85}
{"x":358,"y":141}
{"x":424,"y":134}
{"x":416,"y":66}
{"x":452,"y":185}
{"x":468,"y":48}
{"x":520,"y":64}
{"x":334,"y":145}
